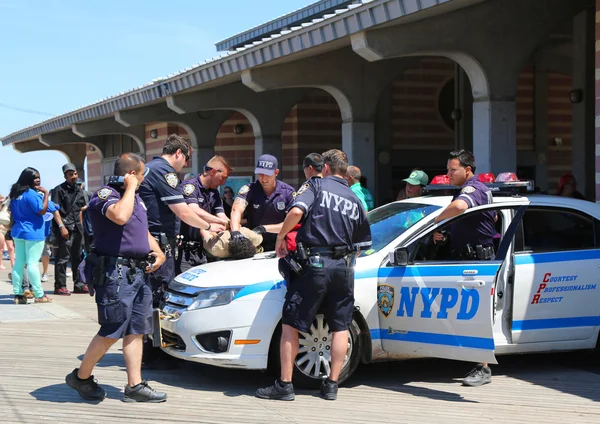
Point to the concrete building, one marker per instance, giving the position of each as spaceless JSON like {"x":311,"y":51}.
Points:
{"x":395,"y":83}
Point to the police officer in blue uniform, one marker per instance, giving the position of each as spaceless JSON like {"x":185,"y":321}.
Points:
{"x":471,"y":237}
{"x":335,"y":229}
{"x":202,"y":195}
{"x":265,"y":202}
{"x":162,"y":194}
{"x":117,"y":271}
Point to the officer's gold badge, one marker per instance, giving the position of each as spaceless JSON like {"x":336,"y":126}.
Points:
{"x":104,"y":193}
{"x":172,"y":179}
{"x":188,"y":189}
{"x":244,"y":189}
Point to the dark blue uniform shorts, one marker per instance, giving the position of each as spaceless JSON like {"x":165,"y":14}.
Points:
{"x":328,"y":290}
{"x":124,"y":303}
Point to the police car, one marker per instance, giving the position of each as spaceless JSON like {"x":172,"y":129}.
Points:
{"x":540,"y":292}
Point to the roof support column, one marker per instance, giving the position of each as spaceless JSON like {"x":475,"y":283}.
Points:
{"x":358,"y":143}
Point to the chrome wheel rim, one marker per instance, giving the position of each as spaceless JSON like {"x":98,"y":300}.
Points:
{"x":314,"y":355}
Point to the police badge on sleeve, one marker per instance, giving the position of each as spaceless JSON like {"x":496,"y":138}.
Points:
{"x":280,"y":206}
{"x":244,"y":189}
{"x":172,"y":179}
{"x":104,"y":193}
{"x":188,"y":189}
{"x":385,"y":299}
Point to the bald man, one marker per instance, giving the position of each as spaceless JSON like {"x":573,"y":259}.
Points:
{"x":366,"y":198}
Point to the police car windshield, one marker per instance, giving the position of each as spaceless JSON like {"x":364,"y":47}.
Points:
{"x":390,"y":221}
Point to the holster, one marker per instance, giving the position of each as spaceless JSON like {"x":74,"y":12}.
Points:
{"x":98,"y":273}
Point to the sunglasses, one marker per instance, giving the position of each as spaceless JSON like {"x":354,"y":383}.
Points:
{"x":187,"y":156}
{"x":228,"y":192}
{"x":210,"y":168}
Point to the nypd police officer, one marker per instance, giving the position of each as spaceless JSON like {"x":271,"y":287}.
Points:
{"x":471,"y":237}
{"x":117,"y":271}
{"x":334,"y":230}
{"x":202,"y":195}
{"x":265,"y":202}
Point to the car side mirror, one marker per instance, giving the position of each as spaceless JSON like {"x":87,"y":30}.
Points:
{"x":399,"y":257}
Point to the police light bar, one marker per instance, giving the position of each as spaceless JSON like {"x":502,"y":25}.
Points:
{"x":506,"y":183}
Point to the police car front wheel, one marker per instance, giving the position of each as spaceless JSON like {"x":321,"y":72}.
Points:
{"x":314,"y":357}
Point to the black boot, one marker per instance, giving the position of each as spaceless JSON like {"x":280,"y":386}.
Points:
{"x":329,"y":389}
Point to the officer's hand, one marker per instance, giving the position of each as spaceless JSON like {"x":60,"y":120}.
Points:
{"x":281,"y":247}
{"x":438,"y":237}
{"x":260,"y":229}
{"x":64,"y":233}
{"x":217,"y":228}
{"x":129,"y":180}
{"x":225,"y":223}
{"x":236,"y":235}
{"x":160,"y":259}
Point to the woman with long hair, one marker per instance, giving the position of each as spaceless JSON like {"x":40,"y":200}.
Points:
{"x":28,"y":204}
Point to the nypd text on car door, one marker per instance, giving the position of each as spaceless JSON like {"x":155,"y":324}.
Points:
{"x":441,"y":308}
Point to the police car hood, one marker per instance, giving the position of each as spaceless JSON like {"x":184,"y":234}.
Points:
{"x":261,"y":268}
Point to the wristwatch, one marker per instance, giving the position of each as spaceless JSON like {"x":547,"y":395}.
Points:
{"x":60,"y":226}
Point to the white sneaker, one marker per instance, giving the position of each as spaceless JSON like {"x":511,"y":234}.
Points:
{"x":69,"y":274}
{"x":44,"y":278}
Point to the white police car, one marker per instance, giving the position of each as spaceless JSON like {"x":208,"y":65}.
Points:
{"x":541,"y":292}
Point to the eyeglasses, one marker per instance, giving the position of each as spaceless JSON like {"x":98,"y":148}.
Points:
{"x":187,"y":156}
{"x":228,"y":192}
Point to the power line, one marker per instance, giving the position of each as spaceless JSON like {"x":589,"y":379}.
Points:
{"x":18,"y":109}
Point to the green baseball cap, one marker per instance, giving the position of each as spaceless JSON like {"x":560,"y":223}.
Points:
{"x":417,"y":178}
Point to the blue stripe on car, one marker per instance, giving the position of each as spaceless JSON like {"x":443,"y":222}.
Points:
{"x":549,"y":323}
{"x":565,"y":256}
{"x":435,"y":338}
{"x":259,"y":287}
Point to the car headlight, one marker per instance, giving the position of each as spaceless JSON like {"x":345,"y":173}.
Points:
{"x":214,"y":297}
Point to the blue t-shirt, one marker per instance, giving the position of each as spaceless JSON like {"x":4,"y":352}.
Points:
{"x":28,"y":224}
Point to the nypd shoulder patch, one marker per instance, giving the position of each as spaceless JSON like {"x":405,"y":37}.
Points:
{"x":172,"y":179}
{"x":302,"y":189}
{"x":244,"y":189}
{"x":104,"y":193}
{"x":188,"y":189}
{"x":468,"y":189}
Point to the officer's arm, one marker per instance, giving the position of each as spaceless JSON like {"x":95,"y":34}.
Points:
{"x":455,"y":208}
{"x":120,"y":212}
{"x":207,"y":216}
{"x":291,"y":220}
{"x":274,"y":228}
{"x":187,"y":215}
{"x":237,"y":211}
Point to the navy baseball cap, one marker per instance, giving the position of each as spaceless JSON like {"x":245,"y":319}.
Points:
{"x":267,"y":164}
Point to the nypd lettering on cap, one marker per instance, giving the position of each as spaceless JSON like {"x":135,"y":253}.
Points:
{"x":265,"y":164}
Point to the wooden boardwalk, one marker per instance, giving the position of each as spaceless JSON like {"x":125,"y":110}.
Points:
{"x":40,"y":344}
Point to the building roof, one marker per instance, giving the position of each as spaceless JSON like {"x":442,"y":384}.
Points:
{"x":305,"y":14}
{"x":340,"y":24}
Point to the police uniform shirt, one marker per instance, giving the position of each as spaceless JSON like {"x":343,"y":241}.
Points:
{"x":479,"y":228}
{"x":333,"y":215}
{"x":160,"y":189}
{"x":129,"y":240}
{"x":263,"y":210}
{"x":207,"y":199}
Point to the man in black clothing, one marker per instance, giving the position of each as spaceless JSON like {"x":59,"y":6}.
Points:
{"x":71,"y":200}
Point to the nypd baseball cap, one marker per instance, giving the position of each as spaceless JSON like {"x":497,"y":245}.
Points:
{"x":267,"y":164}
{"x":417,"y":178}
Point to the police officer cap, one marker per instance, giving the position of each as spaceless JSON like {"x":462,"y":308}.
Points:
{"x":266,"y":165}
{"x":68,"y":167}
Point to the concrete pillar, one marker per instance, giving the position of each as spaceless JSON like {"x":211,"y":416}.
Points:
{"x":358,"y":141}
{"x":269,"y":144}
{"x":203,"y":155}
{"x":582,"y":123}
{"x":495,"y":136}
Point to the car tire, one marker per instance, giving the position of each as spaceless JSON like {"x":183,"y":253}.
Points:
{"x":304,"y":373}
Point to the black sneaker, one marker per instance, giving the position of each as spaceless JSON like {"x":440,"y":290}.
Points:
{"x":329,"y":389}
{"x":478,"y":376}
{"x":19,"y":300}
{"x":278,"y":391}
{"x":143,"y":393}
{"x":88,"y":388}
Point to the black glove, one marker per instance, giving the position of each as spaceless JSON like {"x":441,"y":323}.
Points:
{"x":260,"y":229}
{"x":236,"y":235}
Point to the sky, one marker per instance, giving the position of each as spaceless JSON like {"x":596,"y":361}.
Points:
{"x":60,"y":55}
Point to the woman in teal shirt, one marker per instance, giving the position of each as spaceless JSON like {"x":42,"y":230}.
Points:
{"x":28,"y":204}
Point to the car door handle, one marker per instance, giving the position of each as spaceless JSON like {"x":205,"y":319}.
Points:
{"x":471,"y":283}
